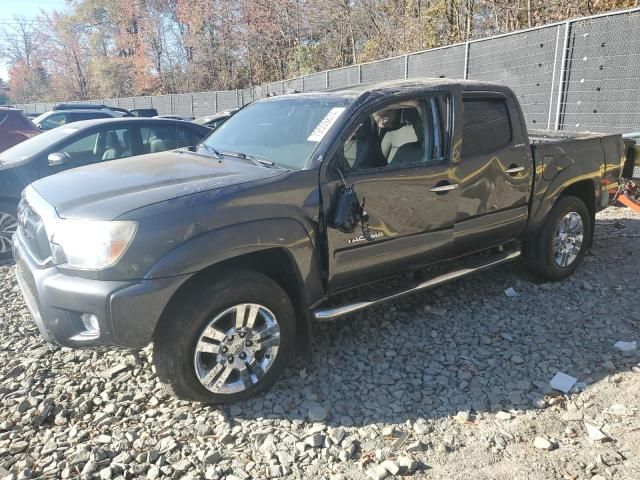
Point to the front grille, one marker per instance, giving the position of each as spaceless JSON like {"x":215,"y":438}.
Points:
{"x":32,"y":230}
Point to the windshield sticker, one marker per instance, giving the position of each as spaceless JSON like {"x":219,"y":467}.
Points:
{"x":325,"y":124}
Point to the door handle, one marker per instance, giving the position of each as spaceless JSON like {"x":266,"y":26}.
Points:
{"x":512,"y":170}
{"x":444,"y":188}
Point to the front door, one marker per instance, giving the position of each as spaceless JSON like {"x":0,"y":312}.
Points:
{"x":397,"y":161}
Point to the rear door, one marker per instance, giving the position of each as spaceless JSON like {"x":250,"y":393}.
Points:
{"x":398,"y":161}
{"x":495,"y":173}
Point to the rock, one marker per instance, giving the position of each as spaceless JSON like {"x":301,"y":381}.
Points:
{"x":415,"y":447}
{"x":153,"y":473}
{"x":315,"y":441}
{"x":181,"y":466}
{"x":542,"y":444}
{"x":18,"y":447}
{"x":595,"y":434}
{"x":503,"y":416}
{"x":420,"y":428}
{"x":407,"y":464}
{"x":227,"y":439}
{"x":212,"y":457}
{"x":391,"y":466}
{"x":377,"y":472}
{"x":105,"y":473}
{"x":317,"y":413}
{"x":114,"y":371}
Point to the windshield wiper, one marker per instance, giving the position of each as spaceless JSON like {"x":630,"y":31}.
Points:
{"x":246,"y":156}
{"x":210,"y":150}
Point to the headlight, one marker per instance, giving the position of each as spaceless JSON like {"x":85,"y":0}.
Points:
{"x":90,"y":244}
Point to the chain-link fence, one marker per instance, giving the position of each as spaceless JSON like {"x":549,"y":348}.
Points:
{"x":576,"y":75}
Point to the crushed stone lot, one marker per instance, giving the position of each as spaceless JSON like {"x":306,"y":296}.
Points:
{"x":452,"y":383}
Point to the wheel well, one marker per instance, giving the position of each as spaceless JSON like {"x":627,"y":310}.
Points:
{"x":585,"y":190}
{"x":275,"y":263}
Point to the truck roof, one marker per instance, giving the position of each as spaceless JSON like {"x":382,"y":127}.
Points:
{"x":394,"y":86}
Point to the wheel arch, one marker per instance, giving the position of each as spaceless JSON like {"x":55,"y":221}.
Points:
{"x":285,"y":253}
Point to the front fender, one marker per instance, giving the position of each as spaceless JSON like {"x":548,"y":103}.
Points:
{"x":216,"y":246}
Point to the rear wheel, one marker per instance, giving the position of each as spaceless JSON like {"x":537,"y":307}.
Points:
{"x":562,"y":242}
{"x":227,"y":340}
{"x":8,"y":226}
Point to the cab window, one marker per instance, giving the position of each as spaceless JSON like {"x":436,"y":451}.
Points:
{"x":158,"y":138}
{"x":487,"y":127}
{"x":53,"y":121}
{"x":405,"y":133}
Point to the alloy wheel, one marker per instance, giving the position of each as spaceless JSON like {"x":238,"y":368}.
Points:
{"x":237,"y":348}
{"x":8,"y":226}
{"x":568,"y":238}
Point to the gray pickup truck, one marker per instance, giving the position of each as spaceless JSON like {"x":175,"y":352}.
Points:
{"x":299,"y":208}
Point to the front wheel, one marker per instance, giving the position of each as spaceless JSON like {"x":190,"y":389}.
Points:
{"x":226,"y":340}
{"x":560,"y":246}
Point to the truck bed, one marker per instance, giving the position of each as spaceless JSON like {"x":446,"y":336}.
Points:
{"x":574,"y":154}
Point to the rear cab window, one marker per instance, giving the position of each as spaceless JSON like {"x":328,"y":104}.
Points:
{"x":158,"y":138}
{"x":487,"y":126}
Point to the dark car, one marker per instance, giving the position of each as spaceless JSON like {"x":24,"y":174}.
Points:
{"x":144,"y":112}
{"x":217,"y":119}
{"x":15,"y":127}
{"x":78,"y":144}
{"x":223,"y":256}
{"x":58,"y":118}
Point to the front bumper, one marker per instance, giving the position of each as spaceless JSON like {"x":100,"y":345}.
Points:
{"x":127,"y":312}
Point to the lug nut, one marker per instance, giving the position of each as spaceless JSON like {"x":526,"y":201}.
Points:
{"x":243,"y":356}
{"x":224,"y":349}
{"x":248,"y":343}
{"x":242,"y":334}
{"x":230,"y":358}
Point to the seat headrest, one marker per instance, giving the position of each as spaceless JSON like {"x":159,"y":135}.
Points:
{"x":112,"y":140}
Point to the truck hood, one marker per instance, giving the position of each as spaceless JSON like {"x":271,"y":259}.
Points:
{"x":107,"y":190}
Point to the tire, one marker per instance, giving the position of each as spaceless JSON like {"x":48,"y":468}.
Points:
{"x":8,"y":225}
{"x":187,"y":324}
{"x":552,"y":263}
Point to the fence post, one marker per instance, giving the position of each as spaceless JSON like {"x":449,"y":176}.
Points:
{"x":215,"y":101}
{"x":465,"y":74}
{"x":303,"y":83}
{"x":359,"y":73}
{"x":553,"y":77}
{"x":191,"y":95}
{"x":562,"y":88}
{"x":406,"y":66}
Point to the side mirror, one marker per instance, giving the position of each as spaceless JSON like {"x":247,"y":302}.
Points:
{"x":347,"y":212}
{"x":57,"y":158}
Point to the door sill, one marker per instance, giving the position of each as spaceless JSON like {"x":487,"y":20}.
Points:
{"x":330,"y":313}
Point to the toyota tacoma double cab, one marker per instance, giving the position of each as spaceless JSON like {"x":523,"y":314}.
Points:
{"x":302,"y":208}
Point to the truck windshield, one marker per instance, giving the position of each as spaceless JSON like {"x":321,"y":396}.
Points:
{"x":284,"y":131}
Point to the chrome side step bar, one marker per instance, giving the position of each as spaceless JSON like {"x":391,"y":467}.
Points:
{"x":323,"y":314}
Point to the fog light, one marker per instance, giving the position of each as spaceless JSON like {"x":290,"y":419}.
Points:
{"x":90,"y":322}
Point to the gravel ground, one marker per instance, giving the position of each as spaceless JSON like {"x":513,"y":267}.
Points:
{"x":452,"y":383}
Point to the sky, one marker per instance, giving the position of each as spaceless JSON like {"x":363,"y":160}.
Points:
{"x":9,"y":9}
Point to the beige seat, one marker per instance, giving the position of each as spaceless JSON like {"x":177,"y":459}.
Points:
{"x":113,"y":147}
{"x":394,"y":139}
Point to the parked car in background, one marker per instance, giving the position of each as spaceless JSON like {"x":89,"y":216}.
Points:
{"x":32,"y":115}
{"x":15,"y":127}
{"x":223,"y":256}
{"x":176,"y":117}
{"x":82,"y":143}
{"x":90,"y":106}
{"x":144,"y":112}
{"x":217,"y":119}
{"x":57,"y":118}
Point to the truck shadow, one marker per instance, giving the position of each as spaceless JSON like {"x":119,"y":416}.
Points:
{"x":467,"y":346}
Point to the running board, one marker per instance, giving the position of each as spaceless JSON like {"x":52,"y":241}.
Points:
{"x":324,"y":314}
